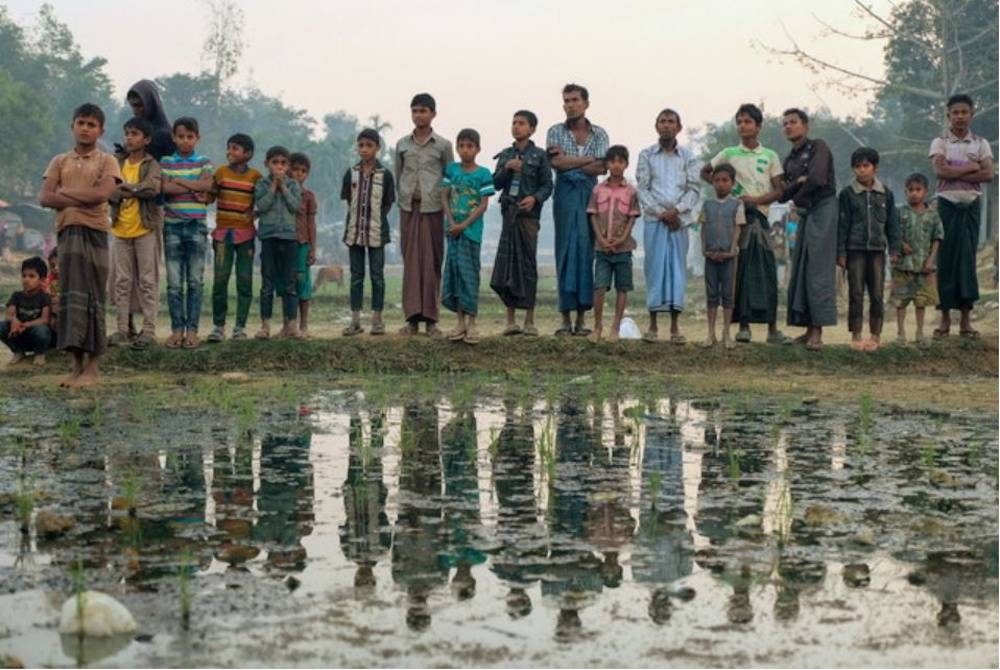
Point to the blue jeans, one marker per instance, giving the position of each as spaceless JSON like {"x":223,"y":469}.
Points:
{"x":35,"y":340}
{"x":184,"y":245}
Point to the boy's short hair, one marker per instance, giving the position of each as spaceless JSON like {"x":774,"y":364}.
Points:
{"x":667,"y":110}
{"x":424,"y":100}
{"x":864,"y":154}
{"x":277,"y":150}
{"x":37,"y":264}
{"x":299,"y":158}
{"x":616,"y":151}
{"x":90,"y":111}
{"x":468,"y":135}
{"x":960,"y":98}
{"x":577,"y":88}
{"x":803,"y":117}
{"x":371,"y":135}
{"x":140,"y":124}
{"x":243,"y":141}
{"x":188,"y":123}
{"x":527,"y":116}
{"x":751,"y":110}
{"x":725,"y":168}
{"x":917,"y":178}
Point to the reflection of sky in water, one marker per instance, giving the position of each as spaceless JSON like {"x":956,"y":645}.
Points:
{"x":523,"y":529}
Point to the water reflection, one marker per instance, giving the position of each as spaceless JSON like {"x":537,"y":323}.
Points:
{"x":740,"y":517}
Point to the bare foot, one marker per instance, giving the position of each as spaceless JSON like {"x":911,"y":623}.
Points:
{"x":88,"y":377}
{"x":709,"y":342}
{"x":595,"y":336}
{"x":728,"y":343}
{"x":613,"y":335}
{"x":873,"y":343}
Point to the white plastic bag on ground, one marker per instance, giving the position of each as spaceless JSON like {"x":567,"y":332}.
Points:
{"x":629,"y":330}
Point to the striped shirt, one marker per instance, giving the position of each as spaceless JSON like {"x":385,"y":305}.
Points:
{"x":184,"y":206}
{"x":234,"y":204}
{"x":561,"y":136}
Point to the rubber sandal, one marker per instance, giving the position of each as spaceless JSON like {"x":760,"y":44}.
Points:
{"x":650,"y":336}
{"x":581,"y":332}
{"x":174,"y":341}
{"x":456,"y":334}
{"x":192,"y":341}
{"x":353,"y":329}
{"x":564,"y":331}
{"x":471,"y":336}
{"x":678,"y":339}
{"x":378,"y":328}
{"x":940,"y":334}
{"x":530,"y":331}
{"x":971,"y":334}
{"x":512,"y":330}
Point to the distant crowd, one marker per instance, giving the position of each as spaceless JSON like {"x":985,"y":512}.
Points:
{"x":153,"y":197}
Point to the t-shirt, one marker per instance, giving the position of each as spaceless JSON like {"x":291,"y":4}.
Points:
{"x":467,"y":190}
{"x":129,"y":223}
{"x":234,"y":203}
{"x":754,"y":170}
{"x":614,"y":203}
{"x":719,"y":220}
{"x":957,"y":152}
{"x":919,"y":230}
{"x":75,"y":170}
{"x":29,"y":306}
{"x":184,"y":206}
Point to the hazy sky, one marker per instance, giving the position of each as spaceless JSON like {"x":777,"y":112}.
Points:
{"x":484,"y":60}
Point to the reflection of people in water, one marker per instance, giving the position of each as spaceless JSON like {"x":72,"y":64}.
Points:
{"x":461,"y":503}
{"x":232,"y":493}
{"x":574,"y":573}
{"x":520,"y":559}
{"x":285,"y":497}
{"x":415,"y":564}
{"x":365,"y":535}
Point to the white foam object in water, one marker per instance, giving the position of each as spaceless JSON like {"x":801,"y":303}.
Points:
{"x":628,"y":330}
{"x":103,"y":616}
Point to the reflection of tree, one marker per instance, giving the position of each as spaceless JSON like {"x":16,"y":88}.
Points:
{"x":522,"y":549}
{"x":461,"y":502}
{"x":285,"y":497}
{"x":574,"y":571}
{"x":365,"y":535}
{"x":414,"y":548}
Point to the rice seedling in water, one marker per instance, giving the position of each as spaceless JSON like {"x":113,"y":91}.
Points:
{"x":69,"y":431}
{"x":184,"y":583}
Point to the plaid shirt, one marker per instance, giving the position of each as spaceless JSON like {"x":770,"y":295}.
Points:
{"x":561,"y":136}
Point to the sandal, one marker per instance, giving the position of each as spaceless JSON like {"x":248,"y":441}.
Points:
{"x":677,"y":338}
{"x":512,"y":329}
{"x":941,"y":333}
{"x":650,"y":336}
{"x":378,"y":328}
{"x":471,"y":336}
{"x":175,"y":340}
{"x":564,"y":331}
{"x":456,"y":334}
{"x":530,"y":331}
{"x":353,"y":329}
{"x":814,"y":346}
{"x":971,"y":334}
{"x":263,"y":334}
{"x":581,"y":332}
{"x":192,"y":341}
{"x":408,"y":329}
{"x":434,"y":331}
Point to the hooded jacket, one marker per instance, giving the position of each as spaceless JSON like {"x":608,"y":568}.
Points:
{"x":162,"y":143}
{"x":147,"y":192}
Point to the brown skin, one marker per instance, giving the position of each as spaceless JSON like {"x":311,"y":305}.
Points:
{"x":422,"y":118}
{"x":86,"y":131}
{"x":186,"y":141}
{"x":959,"y":119}
{"x":668,"y":127}
{"x":31,"y":283}
{"x":576,"y":109}
{"x":916,"y":197}
{"x":368,"y":152}
{"x":607,"y":242}
{"x":723,"y":185}
{"x":278,"y":166}
{"x":300,"y":173}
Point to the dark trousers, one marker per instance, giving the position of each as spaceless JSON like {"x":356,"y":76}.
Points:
{"x":34,"y":340}
{"x":376,"y":270}
{"x":278,"y":260}
{"x":865,"y":270}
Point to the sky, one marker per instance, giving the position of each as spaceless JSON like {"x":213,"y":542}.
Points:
{"x":482,"y":61}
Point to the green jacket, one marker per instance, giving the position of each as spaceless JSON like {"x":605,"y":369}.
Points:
{"x":868,"y":220}
{"x":147,"y":192}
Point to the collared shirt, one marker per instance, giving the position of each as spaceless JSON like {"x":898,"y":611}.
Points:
{"x":419,"y":169}
{"x":184,"y":206}
{"x":868,"y":220}
{"x":614,"y":203}
{"x":369,"y":198}
{"x":234,"y":204}
{"x":668,"y":179}
{"x":814,"y":161}
{"x":919,"y":230}
{"x":755,"y":168}
{"x":959,"y":151}
{"x":561,"y":136}
{"x":466,"y":191}
{"x":75,"y":170}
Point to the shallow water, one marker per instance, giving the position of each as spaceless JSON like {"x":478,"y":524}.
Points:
{"x":630,"y":532}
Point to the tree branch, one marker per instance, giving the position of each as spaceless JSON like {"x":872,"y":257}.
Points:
{"x":868,"y":36}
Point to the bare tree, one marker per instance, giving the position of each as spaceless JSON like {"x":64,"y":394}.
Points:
{"x":224,"y":43}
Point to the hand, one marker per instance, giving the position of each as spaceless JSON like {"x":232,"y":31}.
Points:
{"x":311,"y":259}
{"x":554,"y":151}
{"x":907,"y":249}
{"x":201,"y":197}
{"x":670,"y":215}
{"x":893,"y":258}
{"x":674,"y":225}
{"x":842,"y":262}
{"x":928,"y":269}
{"x":455,"y":229}
{"x":748,"y":199}
{"x":16,"y":327}
{"x":527,"y":203}
{"x":514,"y":164}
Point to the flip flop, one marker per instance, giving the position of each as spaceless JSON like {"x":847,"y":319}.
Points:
{"x":650,"y":336}
{"x":564,"y":331}
{"x":530,"y":331}
{"x":678,"y":339}
{"x":940,"y":334}
{"x":971,"y":334}
{"x":512,"y":330}
{"x":581,"y":332}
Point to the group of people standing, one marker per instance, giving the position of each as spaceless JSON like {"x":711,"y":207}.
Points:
{"x":158,"y":183}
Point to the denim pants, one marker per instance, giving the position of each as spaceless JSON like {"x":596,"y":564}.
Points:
{"x":36,"y":340}
{"x":865,"y":270}
{"x":226,"y":255}
{"x":376,"y":270}
{"x":184,"y":245}
{"x":278,"y":265}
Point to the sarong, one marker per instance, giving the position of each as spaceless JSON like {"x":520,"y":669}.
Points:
{"x":515,"y":270}
{"x":83,"y":283}
{"x":665,"y":266}
{"x":421,"y":241}
{"x":958,"y":287}
{"x":812,"y":287}
{"x":756,"y":274}
{"x":574,"y":240}
{"x":461,"y":276}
